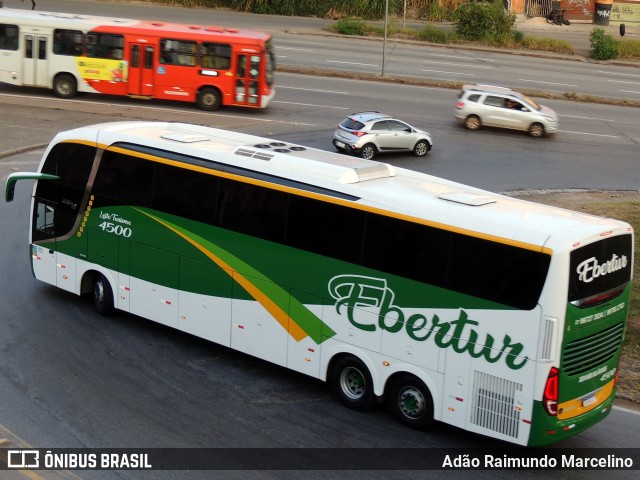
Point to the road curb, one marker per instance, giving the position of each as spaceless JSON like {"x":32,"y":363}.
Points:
{"x":16,"y":151}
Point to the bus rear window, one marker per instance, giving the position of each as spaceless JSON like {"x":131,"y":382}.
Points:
{"x":600,"y":267}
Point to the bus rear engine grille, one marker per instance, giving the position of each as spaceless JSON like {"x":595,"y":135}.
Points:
{"x":584,"y":354}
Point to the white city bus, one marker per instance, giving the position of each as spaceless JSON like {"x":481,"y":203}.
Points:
{"x":496,"y":315}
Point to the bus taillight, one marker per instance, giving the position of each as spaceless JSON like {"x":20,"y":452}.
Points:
{"x":550,"y":397}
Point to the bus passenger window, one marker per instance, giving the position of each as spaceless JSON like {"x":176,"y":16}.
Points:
{"x":103,"y":45}
{"x":67,"y":42}
{"x":8,"y":37}
{"x":216,"y":55}
{"x":178,"y":52}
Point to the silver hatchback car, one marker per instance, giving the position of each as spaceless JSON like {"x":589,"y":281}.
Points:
{"x":369,"y":133}
{"x":487,"y":105}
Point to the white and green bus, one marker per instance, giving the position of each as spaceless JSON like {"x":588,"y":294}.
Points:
{"x":492,"y":314}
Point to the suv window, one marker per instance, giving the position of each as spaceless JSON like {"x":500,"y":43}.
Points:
{"x":383,"y":125}
{"x":398,"y":126}
{"x":493,"y":101}
{"x":351,"y":124}
{"x":474,"y":98}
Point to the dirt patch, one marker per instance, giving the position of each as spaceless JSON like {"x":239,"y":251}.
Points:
{"x":623,"y":205}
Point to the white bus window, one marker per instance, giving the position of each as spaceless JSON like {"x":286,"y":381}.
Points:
{"x":8,"y":37}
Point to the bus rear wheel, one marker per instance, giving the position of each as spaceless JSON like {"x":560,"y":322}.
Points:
{"x":351,"y":383}
{"x":411,"y":402}
{"x":65,"y":86}
{"x":102,"y":295}
{"x":208,"y":99}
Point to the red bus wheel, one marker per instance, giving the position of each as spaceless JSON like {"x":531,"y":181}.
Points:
{"x":208,"y":99}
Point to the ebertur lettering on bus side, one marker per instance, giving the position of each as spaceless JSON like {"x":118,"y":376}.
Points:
{"x":353,"y":291}
{"x":590,"y":268}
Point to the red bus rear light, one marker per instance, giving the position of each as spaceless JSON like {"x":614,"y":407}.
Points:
{"x":550,"y":397}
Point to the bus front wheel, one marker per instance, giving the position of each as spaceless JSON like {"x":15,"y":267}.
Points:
{"x":65,"y":86}
{"x":351,"y":383}
{"x":208,"y":99}
{"x":102,"y":295}
{"x":411,"y":402}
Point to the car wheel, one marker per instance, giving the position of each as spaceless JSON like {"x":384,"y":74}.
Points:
{"x":536,"y":130}
{"x":411,"y":402}
{"x":351,"y":383}
{"x":368,"y":151}
{"x":472,"y":122}
{"x":421,"y":148}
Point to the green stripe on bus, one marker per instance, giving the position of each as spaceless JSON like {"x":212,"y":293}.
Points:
{"x":272,"y":297}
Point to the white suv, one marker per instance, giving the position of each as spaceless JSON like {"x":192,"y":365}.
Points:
{"x":486,"y":105}
{"x":368,"y":133}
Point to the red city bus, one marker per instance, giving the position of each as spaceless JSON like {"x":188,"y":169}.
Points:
{"x":71,"y":53}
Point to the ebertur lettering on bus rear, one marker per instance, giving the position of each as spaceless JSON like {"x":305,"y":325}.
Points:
{"x":590,"y":268}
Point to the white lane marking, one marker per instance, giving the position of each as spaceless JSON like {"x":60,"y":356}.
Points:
{"x":629,"y":91}
{"x":592,"y":134}
{"x":588,"y":118}
{"x":627,"y":410}
{"x":623,"y":81}
{"x":450,"y":56}
{"x":449,"y":73}
{"x":466,"y":65}
{"x":313,"y":90}
{"x":548,"y":83}
{"x":296,"y":49}
{"x":352,"y":63}
{"x":618,"y":73}
{"x":309,"y":105}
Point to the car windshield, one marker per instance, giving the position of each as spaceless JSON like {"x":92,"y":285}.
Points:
{"x":530,"y":102}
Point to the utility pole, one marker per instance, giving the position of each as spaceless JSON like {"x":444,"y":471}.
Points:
{"x":384,"y":42}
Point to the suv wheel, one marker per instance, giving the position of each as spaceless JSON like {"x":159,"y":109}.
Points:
{"x":472,"y":122}
{"x":536,"y":130}
{"x":421,"y":148}
{"x":368,"y":151}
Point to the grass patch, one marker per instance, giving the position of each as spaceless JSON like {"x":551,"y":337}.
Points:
{"x":547,"y":45}
{"x":629,"y":49}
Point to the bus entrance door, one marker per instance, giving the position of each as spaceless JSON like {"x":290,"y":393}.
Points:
{"x":247,"y":80}
{"x":34,"y":61}
{"x":140,"y":75}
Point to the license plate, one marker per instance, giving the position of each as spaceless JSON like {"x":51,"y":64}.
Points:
{"x":591,"y":399}
{"x":340,"y":144}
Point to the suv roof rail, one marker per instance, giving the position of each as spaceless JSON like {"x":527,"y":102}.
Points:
{"x":488,"y":88}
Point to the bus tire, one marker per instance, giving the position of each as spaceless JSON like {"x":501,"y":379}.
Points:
{"x":208,"y":99}
{"x":102,"y":295}
{"x":65,"y":86}
{"x":351,"y":383}
{"x":411,"y":402}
